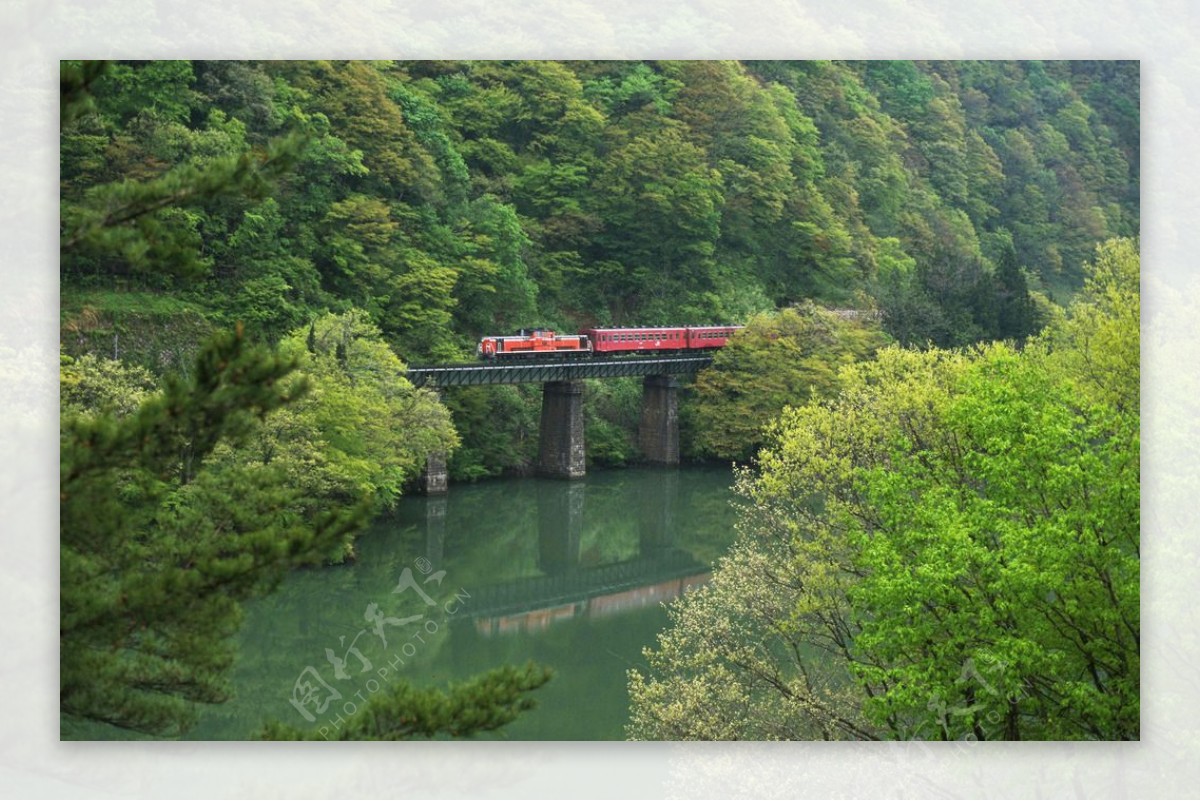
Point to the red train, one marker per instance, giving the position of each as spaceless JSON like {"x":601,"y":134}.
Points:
{"x":541,"y":341}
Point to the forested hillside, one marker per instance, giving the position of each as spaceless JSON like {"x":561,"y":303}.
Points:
{"x":431,"y":202}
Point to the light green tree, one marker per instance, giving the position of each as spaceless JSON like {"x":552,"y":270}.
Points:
{"x":361,"y":432}
{"x":778,"y":360}
{"x":949,"y":549}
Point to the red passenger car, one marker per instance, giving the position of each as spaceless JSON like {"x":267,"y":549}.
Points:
{"x":636,"y":340}
{"x":709,"y":336}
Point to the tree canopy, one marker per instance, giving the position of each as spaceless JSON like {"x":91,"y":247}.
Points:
{"x":948,"y":549}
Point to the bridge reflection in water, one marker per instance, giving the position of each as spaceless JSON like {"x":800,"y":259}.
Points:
{"x":563,"y":587}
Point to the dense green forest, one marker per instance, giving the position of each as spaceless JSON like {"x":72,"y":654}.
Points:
{"x":438,"y":201}
{"x":252,"y":252}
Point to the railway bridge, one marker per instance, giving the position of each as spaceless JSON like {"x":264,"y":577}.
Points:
{"x":561,"y":452}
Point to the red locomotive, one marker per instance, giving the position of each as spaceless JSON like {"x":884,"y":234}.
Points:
{"x":607,"y":341}
{"x":531,"y":342}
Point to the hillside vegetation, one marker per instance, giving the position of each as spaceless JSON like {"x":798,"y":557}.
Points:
{"x":444,"y":200}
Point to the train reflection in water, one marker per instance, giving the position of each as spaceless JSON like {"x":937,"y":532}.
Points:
{"x":566,"y":585}
{"x":599,"y":606}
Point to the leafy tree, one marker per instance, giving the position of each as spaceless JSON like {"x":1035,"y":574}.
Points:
{"x":1098,"y":345}
{"x":777,"y":361}
{"x":360,"y":236}
{"x":727,"y":668}
{"x":377,"y":429}
{"x":275,"y":290}
{"x":494,"y":286}
{"x":361,"y":433}
{"x":123,"y":209}
{"x":660,"y":204}
{"x":949,"y":549}
{"x":354,"y":96}
{"x":91,"y":384}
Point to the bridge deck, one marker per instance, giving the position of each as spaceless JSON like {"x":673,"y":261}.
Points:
{"x":461,"y":375}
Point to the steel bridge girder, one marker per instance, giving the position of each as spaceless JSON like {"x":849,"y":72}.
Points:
{"x":462,"y":375}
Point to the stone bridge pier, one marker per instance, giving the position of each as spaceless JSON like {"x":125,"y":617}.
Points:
{"x":561,"y":452}
{"x":658,"y":435}
{"x":435,"y":479}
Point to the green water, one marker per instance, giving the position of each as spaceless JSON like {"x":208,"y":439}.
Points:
{"x":569,"y":574}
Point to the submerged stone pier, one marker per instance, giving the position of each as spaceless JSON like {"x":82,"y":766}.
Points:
{"x":435,"y":480}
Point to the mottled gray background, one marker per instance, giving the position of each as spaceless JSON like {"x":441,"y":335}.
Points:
{"x":37,"y":33}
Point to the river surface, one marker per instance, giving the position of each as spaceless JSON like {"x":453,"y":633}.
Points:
{"x":571,"y":575}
